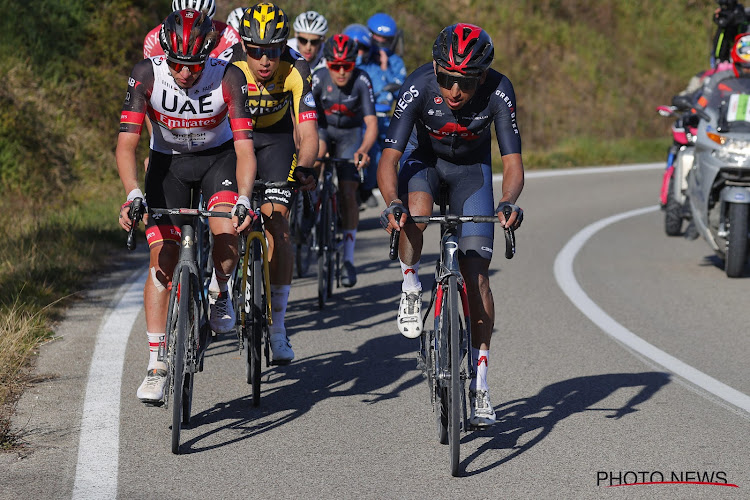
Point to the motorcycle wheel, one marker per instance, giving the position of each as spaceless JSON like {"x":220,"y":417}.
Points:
{"x":734,"y":264}
{"x":672,"y":212}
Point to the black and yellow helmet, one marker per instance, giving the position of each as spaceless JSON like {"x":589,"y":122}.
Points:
{"x":264,"y":24}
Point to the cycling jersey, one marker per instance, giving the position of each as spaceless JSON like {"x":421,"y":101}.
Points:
{"x":187,"y":120}
{"x":269,"y":102}
{"x":228,"y":47}
{"x":342,"y":107}
{"x":462,"y":136}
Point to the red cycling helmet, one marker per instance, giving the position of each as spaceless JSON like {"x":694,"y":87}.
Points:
{"x":187,"y":37}
{"x":463,"y":48}
{"x":340,"y":48}
{"x":741,"y":54}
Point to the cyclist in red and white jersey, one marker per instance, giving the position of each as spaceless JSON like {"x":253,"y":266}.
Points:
{"x":228,"y":46}
{"x":202,"y":139}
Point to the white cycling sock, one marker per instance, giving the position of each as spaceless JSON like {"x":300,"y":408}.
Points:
{"x":350,"y":236}
{"x":214,"y":285}
{"x":279,"y":300}
{"x":411,"y":277}
{"x":154,"y":339}
{"x":482,"y":357}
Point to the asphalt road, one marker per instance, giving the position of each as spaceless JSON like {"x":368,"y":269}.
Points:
{"x":578,"y":411}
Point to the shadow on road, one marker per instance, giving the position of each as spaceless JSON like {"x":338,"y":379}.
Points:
{"x":523,"y":423}
{"x":376,"y":365}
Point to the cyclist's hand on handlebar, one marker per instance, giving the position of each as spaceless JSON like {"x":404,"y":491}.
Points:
{"x":516,"y":216}
{"x":126,"y":219}
{"x":361,"y":159}
{"x":306,"y":177}
{"x":388,"y":219}
{"x":242,"y":216}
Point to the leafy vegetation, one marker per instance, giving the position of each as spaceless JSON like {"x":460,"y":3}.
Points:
{"x":587,"y":75}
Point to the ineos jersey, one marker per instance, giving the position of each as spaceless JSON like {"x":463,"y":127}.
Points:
{"x":228,"y":47}
{"x":343,"y":107}
{"x":187,"y":120}
{"x":462,"y":136}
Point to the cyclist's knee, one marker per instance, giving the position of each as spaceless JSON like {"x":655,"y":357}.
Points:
{"x":163,"y":260}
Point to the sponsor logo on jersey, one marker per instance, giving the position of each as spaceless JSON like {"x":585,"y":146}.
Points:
{"x":438,"y":100}
{"x":132,"y":82}
{"x":391,"y":141}
{"x":308,"y":115}
{"x":406,"y":98}
{"x":452,"y":129}
{"x":309,"y":100}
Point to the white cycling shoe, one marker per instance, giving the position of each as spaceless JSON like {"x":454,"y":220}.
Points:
{"x":151,"y":389}
{"x":281,"y":348}
{"x":409,"y":314}
{"x":482,"y":412}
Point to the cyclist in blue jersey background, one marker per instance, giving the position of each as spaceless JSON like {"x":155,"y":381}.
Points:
{"x":384,"y":67}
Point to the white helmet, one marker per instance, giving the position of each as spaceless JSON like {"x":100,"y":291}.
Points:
{"x":235,"y":18}
{"x":311,"y":22}
{"x":199,"y":5}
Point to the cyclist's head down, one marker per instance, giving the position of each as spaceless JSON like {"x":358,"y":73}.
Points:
{"x":383,"y":31}
{"x":235,"y":18}
{"x":741,"y":55}
{"x":208,"y":5}
{"x":462,"y":53}
{"x":186,"y":57}
{"x":340,"y":52}
{"x":360,"y":34}
{"x":310,"y":29}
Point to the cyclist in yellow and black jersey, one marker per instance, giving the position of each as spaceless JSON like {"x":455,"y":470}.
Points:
{"x":278,"y":79}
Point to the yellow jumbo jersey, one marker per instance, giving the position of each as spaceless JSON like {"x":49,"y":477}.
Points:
{"x":269,"y":103}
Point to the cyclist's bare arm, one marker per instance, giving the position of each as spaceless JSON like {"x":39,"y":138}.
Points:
{"x":388,"y":183}
{"x":513,"y":179}
{"x":371,"y":135}
{"x":127,"y":142}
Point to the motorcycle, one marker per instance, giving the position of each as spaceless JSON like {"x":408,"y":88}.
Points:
{"x":718,"y":185}
{"x":672,"y":196}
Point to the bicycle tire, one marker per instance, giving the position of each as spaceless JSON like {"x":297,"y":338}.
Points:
{"x":324,"y":249}
{"x":332,"y":268}
{"x":440,"y":361}
{"x":257,"y":317}
{"x":454,"y":384}
{"x":178,"y":356}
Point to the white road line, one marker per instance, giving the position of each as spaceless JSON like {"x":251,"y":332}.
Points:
{"x":99,"y":444}
{"x":569,"y":285}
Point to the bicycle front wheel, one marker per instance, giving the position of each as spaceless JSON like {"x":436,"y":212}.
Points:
{"x":179,"y":354}
{"x":325,"y":249}
{"x":255,"y":316}
{"x":454,"y":384}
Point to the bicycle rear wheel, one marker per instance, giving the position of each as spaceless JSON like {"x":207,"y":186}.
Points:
{"x":454,"y":384}
{"x":178,"y":357}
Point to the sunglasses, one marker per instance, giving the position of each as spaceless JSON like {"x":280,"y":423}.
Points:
{"x":347,"y":66}
{"x":465,"y":83}
{"x":312,"y":41}
{"x":259,"y":52}
{"x":193,"y":68}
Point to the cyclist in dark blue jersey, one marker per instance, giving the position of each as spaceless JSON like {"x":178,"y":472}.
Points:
{"x":441,"y":132}
{"x":344,"y":98}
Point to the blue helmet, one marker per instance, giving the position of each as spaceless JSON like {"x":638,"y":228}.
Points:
{"x":360,"y":34}
{"x":382,"y":24}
